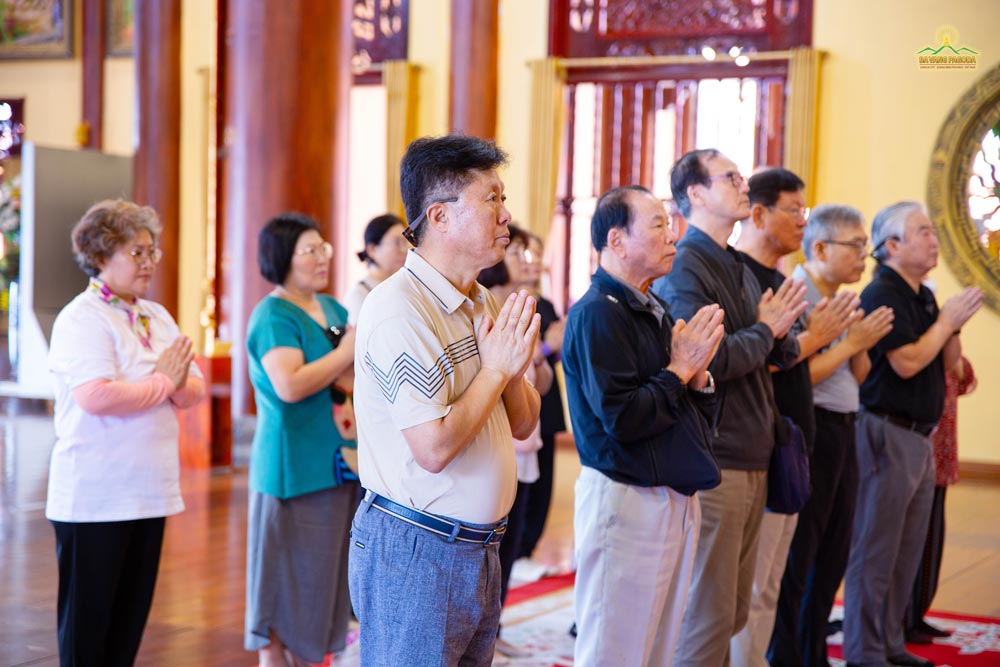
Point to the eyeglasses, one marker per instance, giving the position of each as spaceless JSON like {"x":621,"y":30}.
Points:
{"x":797,"y":212}
{"x":154,"y":255}
{"x":408,"y":233}
{"x":322,"y":251}
{"x":859,"y":246}
{"x":736,"y":178}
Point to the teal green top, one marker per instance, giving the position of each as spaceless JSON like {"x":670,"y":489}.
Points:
{"x":295,"y":443}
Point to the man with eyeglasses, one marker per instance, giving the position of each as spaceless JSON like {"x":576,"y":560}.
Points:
{"x":835,"y":245}
{"x":774,"y":229}
{"x":902,"y":399}
{"x":440,"y":393}
{"x":712,"y":196}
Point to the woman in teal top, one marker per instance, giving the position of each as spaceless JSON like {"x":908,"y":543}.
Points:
{"x":299,"y":346}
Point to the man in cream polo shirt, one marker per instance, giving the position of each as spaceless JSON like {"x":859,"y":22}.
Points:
{"x":439,"y":394}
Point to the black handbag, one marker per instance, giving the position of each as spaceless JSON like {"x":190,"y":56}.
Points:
{"x":788,"y":485}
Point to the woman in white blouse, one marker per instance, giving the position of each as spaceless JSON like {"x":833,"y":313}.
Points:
{"x":384,"y":254}
{"x":121,"y":368}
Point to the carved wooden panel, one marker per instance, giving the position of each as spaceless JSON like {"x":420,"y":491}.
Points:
{"x":586,"y":28}
{"x":380,"y":33}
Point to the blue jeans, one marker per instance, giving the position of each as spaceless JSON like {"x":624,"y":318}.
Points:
{"x":421,"y":600}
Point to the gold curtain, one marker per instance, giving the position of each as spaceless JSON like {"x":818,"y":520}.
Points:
{"x":400,"y":80}
{"x":544,"y":150}
{"x":801,"y":127}
{"x":801,"y":117}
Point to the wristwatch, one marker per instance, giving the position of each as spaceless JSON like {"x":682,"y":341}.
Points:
{"x":709,"y":387}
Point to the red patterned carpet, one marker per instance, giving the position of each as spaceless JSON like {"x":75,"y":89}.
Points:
{"x":538,"y":616}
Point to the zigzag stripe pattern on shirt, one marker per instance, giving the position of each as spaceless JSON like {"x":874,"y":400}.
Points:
{"x":428,"y":381}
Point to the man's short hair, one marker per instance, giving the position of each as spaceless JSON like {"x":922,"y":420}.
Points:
{"x":767,"y":185}
{"x":825,"y":221}
{"x":890,"y":223}
{"x":690,"y":170}
{"x":612,"y":211}
{"x":438,"y":168}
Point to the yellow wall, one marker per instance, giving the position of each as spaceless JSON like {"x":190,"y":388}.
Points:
{"x":524,"y":30}
{"x":430,"y":49}
{"x":879,"y":118}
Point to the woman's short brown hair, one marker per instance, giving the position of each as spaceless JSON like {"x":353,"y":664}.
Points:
{"x":105,"y":227}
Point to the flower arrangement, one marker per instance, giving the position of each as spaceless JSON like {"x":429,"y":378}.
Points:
{"x":10,"y":227}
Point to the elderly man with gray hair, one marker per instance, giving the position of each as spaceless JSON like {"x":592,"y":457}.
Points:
{"x":902,"y":399}
{"x":835,"y":245}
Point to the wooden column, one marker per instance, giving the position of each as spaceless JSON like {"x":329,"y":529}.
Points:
{"x":92,"y":113}
{"x":474,"y":45}
{"x":158,"y":109}
{"x":287,"y":87}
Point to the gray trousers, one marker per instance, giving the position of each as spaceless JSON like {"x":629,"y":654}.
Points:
{"x":895,"y":491}
{"x":421,"y":601}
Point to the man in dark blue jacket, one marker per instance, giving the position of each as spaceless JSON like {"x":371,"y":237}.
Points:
{"x":642,"y":405}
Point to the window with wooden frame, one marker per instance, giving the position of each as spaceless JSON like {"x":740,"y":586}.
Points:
{"x":627,"y":121}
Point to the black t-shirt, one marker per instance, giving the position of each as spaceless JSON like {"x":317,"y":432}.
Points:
{"x":552,"y":407}
{"x":792,"y":388}
{"x":920,"y":398}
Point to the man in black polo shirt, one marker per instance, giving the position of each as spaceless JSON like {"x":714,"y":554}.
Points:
{"x":902,"y":399}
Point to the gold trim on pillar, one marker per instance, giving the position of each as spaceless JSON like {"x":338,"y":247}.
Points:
{"x":960,"y":140}
{"x":544,"y":149}
{"x":400,"y":79}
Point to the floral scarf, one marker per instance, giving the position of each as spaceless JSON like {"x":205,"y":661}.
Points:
{"x":139,"y":321}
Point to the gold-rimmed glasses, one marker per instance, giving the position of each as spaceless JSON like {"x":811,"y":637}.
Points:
{"x":323,"y":250}
{"x":801,"y":212}
{"x":154,"y":255}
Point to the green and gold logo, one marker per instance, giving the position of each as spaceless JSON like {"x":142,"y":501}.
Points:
{"x":946,"y":55}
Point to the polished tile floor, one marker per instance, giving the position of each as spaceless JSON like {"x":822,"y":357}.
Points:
{"x":197,"y":615}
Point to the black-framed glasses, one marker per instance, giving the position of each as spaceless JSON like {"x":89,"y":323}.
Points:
{"x":859,"y":246}
{"x":735,"y":178}
{"x":154,"y":255}
{"x":801,"y":212}
{"x":408,"y":233}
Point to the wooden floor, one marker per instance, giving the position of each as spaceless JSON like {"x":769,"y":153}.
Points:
{"x":197,"y":616}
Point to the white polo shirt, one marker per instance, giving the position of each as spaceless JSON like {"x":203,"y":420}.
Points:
{"x":415,"y":355}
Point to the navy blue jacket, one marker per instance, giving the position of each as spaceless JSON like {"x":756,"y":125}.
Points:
{"x":633,"y":420}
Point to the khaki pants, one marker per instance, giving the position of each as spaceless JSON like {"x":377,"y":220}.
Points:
{"x":635,"y":551}
{"x":749,"y":647}
{"x":724,"y":565}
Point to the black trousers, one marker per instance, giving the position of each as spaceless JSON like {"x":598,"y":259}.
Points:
{"x":926,"y":583}
{"x":510,"y":545}
{"x":817,"y":558}
{"x":107,"y":572}
{"x":539,"y":496}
